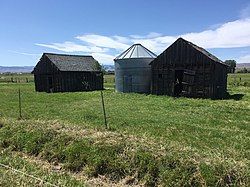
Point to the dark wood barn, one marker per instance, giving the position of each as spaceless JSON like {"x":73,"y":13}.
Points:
{"x":185,"y":69}
{"x":67,"y":73}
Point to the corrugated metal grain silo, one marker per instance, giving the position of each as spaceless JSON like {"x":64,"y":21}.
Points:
{"x":132,"y":70}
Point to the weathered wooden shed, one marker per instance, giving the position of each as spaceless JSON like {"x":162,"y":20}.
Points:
{"x":67,"y":73}
{"x":185,"y":69}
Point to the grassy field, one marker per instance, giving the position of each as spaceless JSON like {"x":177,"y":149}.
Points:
{"x":16,"y":78}
{"x":152,"y":140}
{"x":239,"y":79}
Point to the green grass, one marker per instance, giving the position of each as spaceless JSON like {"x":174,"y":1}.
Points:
{"x":239,"y":79}
{"x":9,"y":178}
{"x":115,"y":158}
{"x":13,"y":77}
{"x":204,"y":141}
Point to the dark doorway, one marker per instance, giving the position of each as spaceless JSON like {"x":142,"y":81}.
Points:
{"x":50,"y":84}
{"x":178,"y":82}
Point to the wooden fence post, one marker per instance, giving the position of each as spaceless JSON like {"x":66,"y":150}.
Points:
{"x":104,"y":112}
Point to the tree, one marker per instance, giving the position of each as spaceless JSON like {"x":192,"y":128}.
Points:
{"x":232,"y":65}
{"x":103,"y":69}
{"x":243,"y":70}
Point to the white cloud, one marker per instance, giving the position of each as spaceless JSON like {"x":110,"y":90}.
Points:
{"x":104,"y":58}
{"x":244,"y":59}
{"x":150,"y":35}
{"x":158,"y":44}
{"x":23,"y":53}
{"x":122,"y":39}
{"x":104,"y":41}
{"x":104,"y":48}
{"x":72,"y":47}
{"x":228,"y":35}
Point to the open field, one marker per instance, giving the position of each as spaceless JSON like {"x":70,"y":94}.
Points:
{"x":16,"y":78}
{"x":239,"y":79}
{"x":153,"y":140}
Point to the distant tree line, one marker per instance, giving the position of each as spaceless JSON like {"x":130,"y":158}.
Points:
{"x":232,"y":67}
{"x":243,"y":70}
{"x":231,"y":64}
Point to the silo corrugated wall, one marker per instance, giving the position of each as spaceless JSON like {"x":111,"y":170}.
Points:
{"x":133,"y":75}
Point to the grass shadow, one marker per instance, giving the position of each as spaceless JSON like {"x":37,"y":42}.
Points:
{"x":235,"y":97}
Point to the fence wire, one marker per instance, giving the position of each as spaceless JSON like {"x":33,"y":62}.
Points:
{"x":28,"y":175}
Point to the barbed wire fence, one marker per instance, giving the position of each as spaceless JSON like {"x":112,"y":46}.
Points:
{"x":28,"y":175}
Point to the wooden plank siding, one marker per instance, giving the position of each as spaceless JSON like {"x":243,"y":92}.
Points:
{"x":48,"y":78}
{"x":210,"y":76}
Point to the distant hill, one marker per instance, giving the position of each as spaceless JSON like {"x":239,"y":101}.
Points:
{"x":243,"y":65}
{"x":28,"y":69}
{"x":109,"y":67}
{"x":16,"y":69}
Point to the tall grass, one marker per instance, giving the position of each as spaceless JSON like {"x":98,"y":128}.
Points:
{"x":205,"y":142}
{"x":120,"y":159}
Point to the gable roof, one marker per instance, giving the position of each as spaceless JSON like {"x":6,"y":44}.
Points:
{"x":66,"y":62}
{"x":204,"y":51}
{"x":200,"y":49}
{"x":136,"y":51}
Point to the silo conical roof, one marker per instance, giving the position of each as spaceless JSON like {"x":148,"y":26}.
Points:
{"x":136,"y":51}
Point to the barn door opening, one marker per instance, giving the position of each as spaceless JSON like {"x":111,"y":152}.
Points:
{"x":127,"y":83}
{"x":188,"y":82}
{"x":178,"y":86}
{"x":50,"y":84}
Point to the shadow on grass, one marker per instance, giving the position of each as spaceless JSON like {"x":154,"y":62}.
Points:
{"x":235,"y":97}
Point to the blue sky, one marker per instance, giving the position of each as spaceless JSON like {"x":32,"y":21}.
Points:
{"x":104,"y":29}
